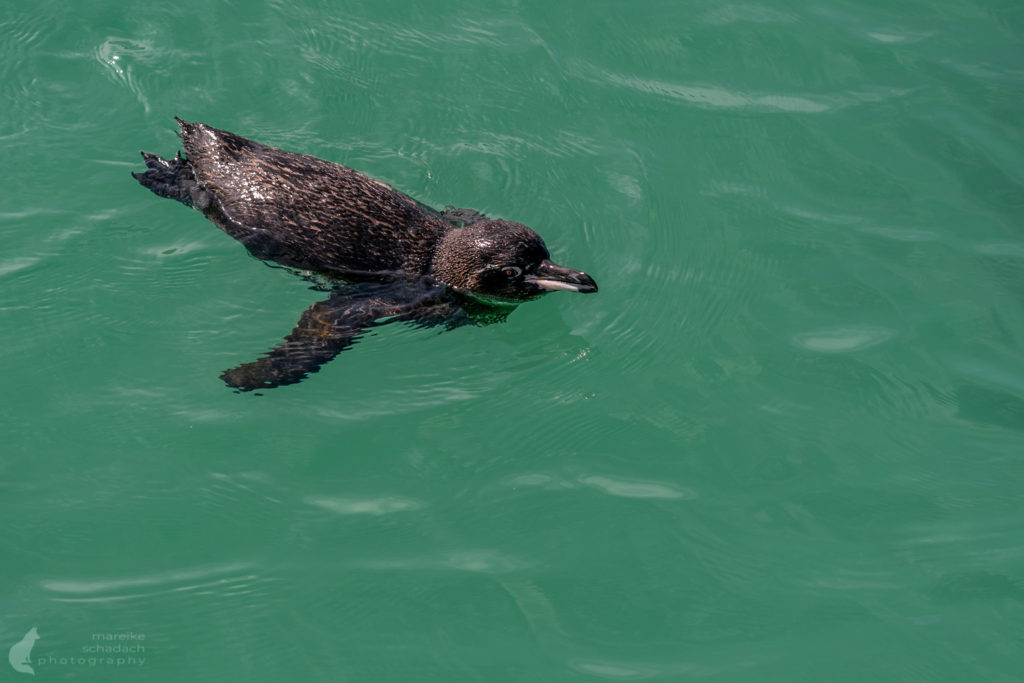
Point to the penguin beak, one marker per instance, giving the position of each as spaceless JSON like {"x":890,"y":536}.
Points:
{"x":552,"y":277}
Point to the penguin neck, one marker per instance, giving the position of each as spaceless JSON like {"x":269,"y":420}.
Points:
{"x":450,"y":264}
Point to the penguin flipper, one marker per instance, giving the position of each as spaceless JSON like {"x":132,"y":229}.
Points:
{"x":330,"y":326}
{"x":321,"y":333}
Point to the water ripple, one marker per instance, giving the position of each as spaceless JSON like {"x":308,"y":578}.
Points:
{"x":721,"y":98}
{"x":843,"y":339}
{"x":614,"y":486}
{"x":734,"y":13}
{"x":382,"y":505}
{"x":22,"y":33}
{"x":118,"y":56}
{"x":15,"y":264}
{"x":221,"y":579}
{"x":635,"y":489}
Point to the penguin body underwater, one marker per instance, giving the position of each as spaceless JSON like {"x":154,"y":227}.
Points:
{"x":388,"y":257}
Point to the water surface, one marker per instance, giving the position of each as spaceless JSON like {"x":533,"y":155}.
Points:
{"x":783,"y":443}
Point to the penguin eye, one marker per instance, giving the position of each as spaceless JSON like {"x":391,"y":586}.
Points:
{"x":510,"y":272}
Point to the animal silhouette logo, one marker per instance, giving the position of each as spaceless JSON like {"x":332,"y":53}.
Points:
{"x":20,"y":655}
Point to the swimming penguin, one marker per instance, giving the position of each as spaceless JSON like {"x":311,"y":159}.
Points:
{"x":387,"y":256}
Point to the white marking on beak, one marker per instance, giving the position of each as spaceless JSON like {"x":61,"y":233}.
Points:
{"x":553,"y":285}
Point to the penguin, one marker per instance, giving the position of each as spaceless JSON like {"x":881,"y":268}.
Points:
{"x":384,"y":256}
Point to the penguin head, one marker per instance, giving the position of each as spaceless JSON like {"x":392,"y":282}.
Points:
{"x":504,"y":263}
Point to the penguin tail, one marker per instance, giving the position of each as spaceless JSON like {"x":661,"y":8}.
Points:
{"x":171,"y":178}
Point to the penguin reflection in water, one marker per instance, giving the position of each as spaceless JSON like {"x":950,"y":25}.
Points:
{"x":387,"y":256}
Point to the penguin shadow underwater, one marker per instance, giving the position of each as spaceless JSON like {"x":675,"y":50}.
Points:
{"x":382,"y":256}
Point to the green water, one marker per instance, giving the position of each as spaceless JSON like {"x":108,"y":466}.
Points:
{"x":784,"y":442}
